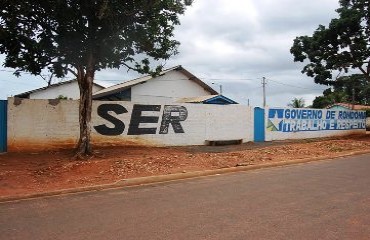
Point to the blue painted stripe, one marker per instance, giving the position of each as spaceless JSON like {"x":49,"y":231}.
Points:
{"x":259,"y":124}
{"x":3,"y":125}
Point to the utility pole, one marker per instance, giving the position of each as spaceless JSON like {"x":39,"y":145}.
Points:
{"x":264,"y":91}
{"x":220,"y":85}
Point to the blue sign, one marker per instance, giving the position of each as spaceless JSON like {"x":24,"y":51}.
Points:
{"x":297,"y":120}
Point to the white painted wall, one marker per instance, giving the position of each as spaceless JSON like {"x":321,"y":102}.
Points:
{"x":48,"y":124}
{"x":35,"y":125}
{"x":333,"y":119}
{"x":70,"y":90}
{"x":226,"y":122}
{"x":166,"y":89}
{"x":38,"y":125}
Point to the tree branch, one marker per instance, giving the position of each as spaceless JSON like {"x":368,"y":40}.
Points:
{"x":129,"y":67}
{"x":366,"y":73}
{"x":73,"y":72}
{"x":362,"y":70}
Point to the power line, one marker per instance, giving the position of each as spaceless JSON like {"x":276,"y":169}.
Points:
{"x":187,"y":79}
{"x":10,"y":71}
{"x":236,"y":79}
{"x":289,"y":85}
{"x":255,"y":88}
{"x":3,"y":70}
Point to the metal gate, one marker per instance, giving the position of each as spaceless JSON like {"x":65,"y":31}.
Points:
{"x":3,"y":125}
{"x":259,"y":124}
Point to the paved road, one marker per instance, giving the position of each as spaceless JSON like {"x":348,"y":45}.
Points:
{"x":322,"y":200}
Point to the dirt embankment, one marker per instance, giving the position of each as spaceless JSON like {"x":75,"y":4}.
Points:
{"x":26,"y":173}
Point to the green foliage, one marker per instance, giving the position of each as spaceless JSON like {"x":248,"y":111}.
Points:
{"x":62,"y":97}
{"x":59,"y":34}
{"x":85,"y":36}
{"x":355,"y":87}
{"x":297,"y":103}
{"x":344,"y":44}
{"x":347,"y":89}
{"x":368,"y":113}
{"x":329,"y":97}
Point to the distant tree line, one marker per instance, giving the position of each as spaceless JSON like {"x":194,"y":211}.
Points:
{"x":347,"y":89}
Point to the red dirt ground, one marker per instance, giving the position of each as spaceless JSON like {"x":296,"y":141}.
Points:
{"x":26,"y":173}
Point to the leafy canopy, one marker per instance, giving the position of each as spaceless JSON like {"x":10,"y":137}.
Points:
{"x":85,"y":36}
{"x":344,"y":44}
{"x":297,"y":103}
{"x":347,"y":89}
{"x":329,"y":97}
{"x":60,"y":34}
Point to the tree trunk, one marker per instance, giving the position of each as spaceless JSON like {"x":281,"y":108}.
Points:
{"x":85,"y":82}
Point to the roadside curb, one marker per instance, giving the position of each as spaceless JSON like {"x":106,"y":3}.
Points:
{"x":173,"y":177}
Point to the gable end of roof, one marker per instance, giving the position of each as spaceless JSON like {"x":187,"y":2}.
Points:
{"x":129,"y":84}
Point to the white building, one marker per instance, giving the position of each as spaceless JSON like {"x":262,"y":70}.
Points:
{"x":68,"y":89}
{"x":170,"y":86}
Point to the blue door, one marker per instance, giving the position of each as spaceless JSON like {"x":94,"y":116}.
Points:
{"x":259,"y":124}
{"x":3,"y":125}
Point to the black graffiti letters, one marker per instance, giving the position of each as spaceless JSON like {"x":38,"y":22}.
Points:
{"x":173,"y":115}
{"x":143,"y":119}
{"x":137,"y":118}
{"x":119,"y":126}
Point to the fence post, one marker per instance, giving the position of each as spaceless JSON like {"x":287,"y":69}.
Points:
{"x":3,"y":125}
{"x":259,"y":124}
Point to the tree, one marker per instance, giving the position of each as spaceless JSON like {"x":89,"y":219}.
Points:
{"x":82,"y":37}
{"x":329,"y":97}
{"x":297,"y":103}
{"x":348,"y":89}
{"x":344,"y":44}
{"x":355,"y":87}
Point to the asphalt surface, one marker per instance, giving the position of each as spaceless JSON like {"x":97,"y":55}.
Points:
{"x":320,"y":200}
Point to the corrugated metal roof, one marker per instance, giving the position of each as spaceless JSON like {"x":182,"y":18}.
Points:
{"x":198,"y":99}
{"x":208,"y":99}
{"x":122,"y":86}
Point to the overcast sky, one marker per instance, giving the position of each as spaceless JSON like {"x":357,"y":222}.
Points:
{"x":233,"y":43}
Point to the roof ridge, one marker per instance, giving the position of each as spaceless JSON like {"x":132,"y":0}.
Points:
{"x":53,"y":85}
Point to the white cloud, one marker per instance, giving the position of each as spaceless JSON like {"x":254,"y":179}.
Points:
{"x":237,"y":39}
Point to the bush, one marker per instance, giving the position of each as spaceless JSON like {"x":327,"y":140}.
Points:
{"x":368,"y":113}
